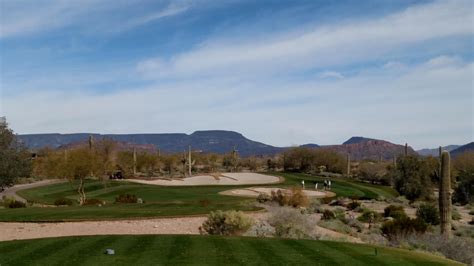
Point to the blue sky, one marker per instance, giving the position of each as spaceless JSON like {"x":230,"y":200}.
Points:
{"x":281,"y":72}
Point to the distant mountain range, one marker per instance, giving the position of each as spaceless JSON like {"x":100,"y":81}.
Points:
{"x":218,"y":141}
{"x":435,"y":152}
{"x":462,"y":149}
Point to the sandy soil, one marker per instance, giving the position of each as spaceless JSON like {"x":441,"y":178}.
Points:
{"x":254,"y":191}
{"x":11,"y":192}
{"x":204,"y":180}
{"x":181,"y":225}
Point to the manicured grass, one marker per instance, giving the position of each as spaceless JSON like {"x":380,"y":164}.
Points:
{"x":162,"y":201}
{"x":203,"y":250}
{"x":343,"y":187}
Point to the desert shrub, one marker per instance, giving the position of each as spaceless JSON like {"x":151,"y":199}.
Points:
{"x":455,"y":215}
{"x":428,"y":213}
{"x":471,"y":212}
{"x":315,"y":206}
{"x":337,"y":225}
{"x":14,"y":204}
{"x":354,"y":223}
{"x":63,"y":202}
{"x":401,"y":228}
{"x":93,"y":202}
{"x":353,"y":205}
{"x":263,"y":198}
{"x":295,"y":197}
{"x":338,"y":202}
{"x":340,"y":214}
{"x":227,"y":223}
{"x":369,"y":216}
{"x":456,"y":248}
{"x":394,"y":211}
{"x":280,"y":197}
{"x":464,"y":231}
{"x":298,"y":198}
{"x":290,"y":223}
{"x":261,"y":229}
{"x":126,"y":198}
{"x":328,"y":215}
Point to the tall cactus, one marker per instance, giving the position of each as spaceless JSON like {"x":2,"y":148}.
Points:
{"x":190,"y":162}
{"x":394,"y":161}
{"x":134,"y":161}
{"x":348,"y":165}
{"x":91,"y":142}
{"x":406,"y":149}
{"x":445,"y":195}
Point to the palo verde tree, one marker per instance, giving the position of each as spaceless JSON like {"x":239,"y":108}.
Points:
{"x":15,"y":161}
{"x":412,"y":178}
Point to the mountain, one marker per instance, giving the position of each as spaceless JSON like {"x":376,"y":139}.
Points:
{"x":218,"y":141}
{"x":435,"y":152}
{"x":361,"y":148}
{"x":310,"y":145}
{"x":462,"y":149}
{"x":356,"y":139}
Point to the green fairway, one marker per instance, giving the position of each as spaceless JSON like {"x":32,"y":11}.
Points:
{"x":203,"y":250}
{"x":161,"y":200}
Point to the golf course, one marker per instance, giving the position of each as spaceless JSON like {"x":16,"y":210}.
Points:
{"x":162,"y":201}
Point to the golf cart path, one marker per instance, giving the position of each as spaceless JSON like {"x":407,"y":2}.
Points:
{"x":11,"y":191}
{"x":181,"y":225}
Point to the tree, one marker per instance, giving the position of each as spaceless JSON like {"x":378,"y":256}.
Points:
{"x":15,"y":161}
{"x":464,"y":170}
{"x":412,"y":178}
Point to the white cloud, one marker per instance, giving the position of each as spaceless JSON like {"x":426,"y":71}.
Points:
{"x":323,"y":46}
{"x":416,"y":106}
{"x":331,"y":74}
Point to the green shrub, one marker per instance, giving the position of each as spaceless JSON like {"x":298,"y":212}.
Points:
{"x":126,"y":198}
{"x":394,"y":211}
{"x":369,"y":216}
{"x":280,"y":197}
{"x":93,"y":202}
{"x":295,"y":197}
{"x":428,"y":213}
{"x":263,"y":198}
{"x":401,"y":228}
{"x":15,"y":204}
{"x":328,"y":215}
{"x":340,"y":214}
{"x":227,"y":223}
{"x":353,"y":205}
{"x":63,"y":202}
{"x":455,"y":215}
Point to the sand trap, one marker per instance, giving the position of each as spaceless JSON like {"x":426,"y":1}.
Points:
{"x":254,"y":191}
{"x":206,"y":180}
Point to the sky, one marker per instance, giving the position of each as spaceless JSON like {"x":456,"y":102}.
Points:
{"x":278,"y":71}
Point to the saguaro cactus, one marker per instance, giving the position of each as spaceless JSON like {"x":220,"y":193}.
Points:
{"x":395,"y":161}
{"x":445,"y":195}
{"x":348,"y":165}
{"x":91,"y":142}
{"x":190,"y":162}
{"x":406,"y":149}
{"x":134,"y":161}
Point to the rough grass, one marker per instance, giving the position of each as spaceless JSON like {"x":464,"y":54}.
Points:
{"x":203,"y":250}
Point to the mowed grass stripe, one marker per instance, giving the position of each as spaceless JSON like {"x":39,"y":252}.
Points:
{"x":179,"y":251}
{"x":268,"y":251}
{"x":317,"y":254}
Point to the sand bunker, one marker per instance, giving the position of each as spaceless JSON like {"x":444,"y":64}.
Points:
{"x":206,"y":180}
{"x":254,"y":191}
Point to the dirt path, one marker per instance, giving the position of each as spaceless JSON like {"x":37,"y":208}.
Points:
{"x":11,"y":192}
{"x":181,"y":225}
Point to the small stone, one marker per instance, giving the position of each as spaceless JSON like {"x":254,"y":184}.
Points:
{"x":110,"y":251}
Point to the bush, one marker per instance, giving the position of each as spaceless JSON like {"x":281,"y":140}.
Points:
{"x":428,"y":213}
{"x":15,"y":204}
{"x":63,"y":202}
{"x":369,"y":216}
{"x":396,"y":212}
{"x":290,"y":223}
{"x":94,"y":202}
{"x":298,"y":198}
{"x":455,"y":215}
{"x":228,"y":223}
{"x":401,"y":228}
{"x":295,"y":198}
{"x":315,"y":206}
{"x":353,"y":205}
{"x":126,"y":198}
{"x":263,"y":198}
{"x":328,"y":215}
